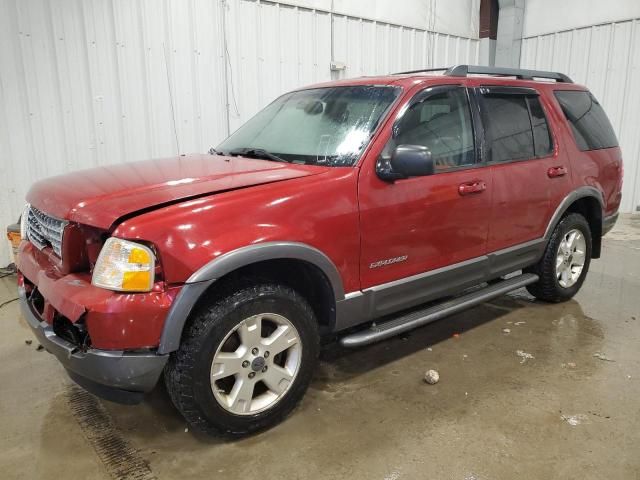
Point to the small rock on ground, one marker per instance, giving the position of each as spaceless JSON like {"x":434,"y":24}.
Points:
{"x":506,"y":330}
{"x":431,"y":377}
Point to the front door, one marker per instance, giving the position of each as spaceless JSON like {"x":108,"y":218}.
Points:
{"x":424,"y":236}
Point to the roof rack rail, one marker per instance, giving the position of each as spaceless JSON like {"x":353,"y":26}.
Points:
{"x":441,"y":69}
{"x":522,"y":74}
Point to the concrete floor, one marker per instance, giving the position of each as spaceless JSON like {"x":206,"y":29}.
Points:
{"x":571,"y":410}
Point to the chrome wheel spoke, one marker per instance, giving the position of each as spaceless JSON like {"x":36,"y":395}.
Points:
{"x":226,"y":364}
{"x":239,"y":399}
{"x":250,"y":331}
{"x":566,"y":276}
{"x":281,"y":339}
{"x":578,"y":258}
{"x":563,"y":248}
{"x":277,"y":379}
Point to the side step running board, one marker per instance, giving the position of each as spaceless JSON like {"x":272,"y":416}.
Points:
{"x":419,"y":318}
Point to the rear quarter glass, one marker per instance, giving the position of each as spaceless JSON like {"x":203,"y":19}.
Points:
{"x":591,"y":128}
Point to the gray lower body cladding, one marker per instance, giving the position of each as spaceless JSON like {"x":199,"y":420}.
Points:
{"x":386,"y":299}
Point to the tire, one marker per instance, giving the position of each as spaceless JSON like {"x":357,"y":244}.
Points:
{"x":549,"y":288}
{"x":218,"y":330}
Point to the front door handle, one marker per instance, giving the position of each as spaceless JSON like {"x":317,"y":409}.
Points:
{"x":468,"y":188}
{"x":554,"y":172}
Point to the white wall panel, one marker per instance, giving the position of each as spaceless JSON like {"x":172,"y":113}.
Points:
{"x":273,"y":48}
{"x":94,"y":82}
{"x":453,"y":17}
{"x":549,"y":16}
{"x":605,"y":58}
{"x":370,"y":48}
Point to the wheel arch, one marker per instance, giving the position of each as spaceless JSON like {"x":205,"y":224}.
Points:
{"x":587,"y":201}
{"x":307,"y":269}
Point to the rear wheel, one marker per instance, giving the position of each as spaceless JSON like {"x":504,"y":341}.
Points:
{"x":565,"y":262}
{"x":244,"y":362}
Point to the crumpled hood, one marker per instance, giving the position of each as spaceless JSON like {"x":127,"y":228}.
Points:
{"x":100,"y":196}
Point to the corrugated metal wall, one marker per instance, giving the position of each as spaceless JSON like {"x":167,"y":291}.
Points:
{"x":369,"y":47}
{"x":606,"y":58}
{"x":93,"y":82}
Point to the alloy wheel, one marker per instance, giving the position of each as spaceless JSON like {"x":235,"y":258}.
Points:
{"x":256,"y":364}
{"x":570,"y":258}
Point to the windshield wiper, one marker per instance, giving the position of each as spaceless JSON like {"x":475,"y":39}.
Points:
{"x":257,"y":153}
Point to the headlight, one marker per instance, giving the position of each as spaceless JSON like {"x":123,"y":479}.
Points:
{"x":23,"y":222}
{"x":124,"y":266}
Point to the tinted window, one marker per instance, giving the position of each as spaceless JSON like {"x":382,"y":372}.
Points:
{"x":589,"y":123}
{"x":442,"y":123}
{"x":507,"y":128}
{"x":541,"y":135}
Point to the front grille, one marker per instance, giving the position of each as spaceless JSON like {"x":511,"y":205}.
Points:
{"x":45,"y":231}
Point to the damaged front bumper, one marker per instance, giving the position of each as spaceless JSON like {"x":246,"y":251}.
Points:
{"x":119,"y":376}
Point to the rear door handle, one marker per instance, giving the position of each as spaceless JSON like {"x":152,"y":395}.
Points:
{"x":469,"y":188}
{"x":554,"y":172}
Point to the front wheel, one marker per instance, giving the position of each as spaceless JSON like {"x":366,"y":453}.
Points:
{"x":245,"y":361}
{"x":565,"y":262}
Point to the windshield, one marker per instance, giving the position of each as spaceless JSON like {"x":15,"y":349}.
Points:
{"x":321,"y":126}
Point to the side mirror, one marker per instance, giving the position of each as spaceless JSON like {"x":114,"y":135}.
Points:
{"x":409,"y":161}
{"x":314,"y":107}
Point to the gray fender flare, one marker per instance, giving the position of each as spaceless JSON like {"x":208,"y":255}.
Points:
{"x":581,"y":192}
{"x":203,"y":278}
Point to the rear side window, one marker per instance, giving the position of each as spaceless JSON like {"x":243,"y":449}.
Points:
{"x":590,"y":125}
{"x":516,"y":127}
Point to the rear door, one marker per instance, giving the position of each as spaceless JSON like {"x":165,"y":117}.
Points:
{"x":529,"y":175}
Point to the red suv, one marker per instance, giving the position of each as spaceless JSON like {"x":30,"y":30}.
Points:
{"x":336,"y":205}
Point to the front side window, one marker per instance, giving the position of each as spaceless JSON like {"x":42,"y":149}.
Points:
{"x":442,"y":123}
{"x":320,"y":126}
{"x":591,"y":127}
